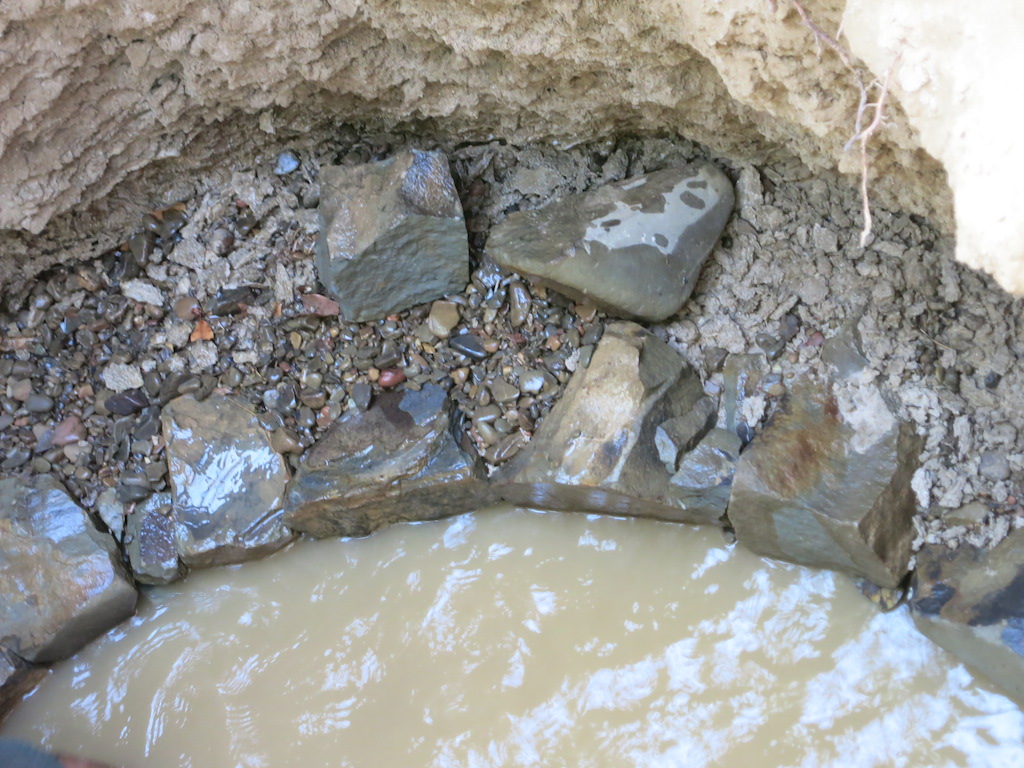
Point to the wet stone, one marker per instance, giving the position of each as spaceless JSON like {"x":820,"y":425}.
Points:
{"x":150,"y":542}
{"x":595,"y":450}
{"x":128,"y":402}
{"x":827,"y":484}
{"x":17,"y":678}
{"x":61,"y":582}
{"x":227,"y":482}
{"x":397,"y":461}
{"x":444,"y":315}
{"x":470,"y":345}
{"x":111,"y":512}
{"x":391,"y":235}
{"x":632,"y":248}
{"x":971,"y":602}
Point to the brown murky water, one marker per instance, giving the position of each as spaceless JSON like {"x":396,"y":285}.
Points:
{"x":512,"y":638}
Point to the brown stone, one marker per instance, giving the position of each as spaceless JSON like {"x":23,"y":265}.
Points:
{"x":595,"y":451}
{"x":829,"y":486}
{"x":61,"y":580}
{"x":398,"y":461}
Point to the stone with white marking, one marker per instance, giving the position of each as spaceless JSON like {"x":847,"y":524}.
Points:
{"x":633,"y":248}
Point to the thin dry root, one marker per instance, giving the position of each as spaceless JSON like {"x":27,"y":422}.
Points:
{"x":861,"y":134}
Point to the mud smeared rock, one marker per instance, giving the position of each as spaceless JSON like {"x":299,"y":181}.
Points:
{"x":828,"y":487}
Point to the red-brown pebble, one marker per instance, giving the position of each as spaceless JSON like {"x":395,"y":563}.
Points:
{"x":391,"y":377}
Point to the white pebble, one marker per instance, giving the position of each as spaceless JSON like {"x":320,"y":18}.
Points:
{"x":140,"y":290}
{"x":120,"y":376}
{"x":202,"y":355}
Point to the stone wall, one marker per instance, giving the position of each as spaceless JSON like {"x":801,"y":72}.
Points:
{"x":109,"y":108}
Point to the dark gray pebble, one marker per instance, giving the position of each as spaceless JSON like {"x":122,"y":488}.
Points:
{"x":469,"y":345}
{"x":128,"y":402}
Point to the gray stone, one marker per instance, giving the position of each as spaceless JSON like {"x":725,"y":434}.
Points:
{"x":17,"y":677}
{"x":398,"y":461}
{"x":595,"y":451}
{"x":392,"y":235}
{"x":705,"y":475}
{"x":111,"y":512}
{"x":827,"y":484}
{"x":741,"y":376}
{"x":633,"y":248}
{"x":150,"y":541}
{"x":676,"y":436}
{"x":971,"y":602}
{"x":994,"y":466}
{"x":61,"y":580}
{"x":227,"y":482}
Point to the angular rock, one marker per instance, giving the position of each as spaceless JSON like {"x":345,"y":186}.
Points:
{"x":392,"y":235}
{"x":227,"y":482}
{"x":633,"y":248}
{"x":61,"y":580}
{"x":971,"y":602}
{"x":398,"y":461}
{"x":827,"y":484}
{"x":677,"y":436}
{"x":150,"y":541}
{"x":705,"y":475}
{"x":595,"y":450}
{"x":17,"y":678}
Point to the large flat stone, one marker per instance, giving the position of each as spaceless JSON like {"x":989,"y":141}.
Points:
{"x":634,"y":248}
{"x":971,"y":602}
{"x":61,"y":580}
{"x":596,"y":451}
{"x":398,"y":461}
{"x":227,"y":482}
{"x":392,"y":234}
{"x":827,"y":484}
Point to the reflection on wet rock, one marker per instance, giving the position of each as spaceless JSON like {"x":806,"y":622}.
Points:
{"x":227,"y":482}
{"x":633,"y":248}
{"x":827,"y":484}
{"x":397,"y":461}
{"x":61,"y":582}
{"x":971,"y":602}
{"x":150,"y":541}
{"x":17,"y":678}
{"x":596,"y":451}
{"x":392,"y":234}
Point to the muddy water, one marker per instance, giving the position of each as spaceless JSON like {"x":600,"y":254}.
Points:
{"x":513,"y":638}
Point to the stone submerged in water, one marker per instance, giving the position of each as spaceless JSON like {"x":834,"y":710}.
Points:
{"x":971,"y":602}
{"x":392,"y":235}
{"x":596,"y":450}
{"x":633,"y":248}
{"x":398,"y":461}
{"x":827,"y":484}
{"x":227,"y":482}
{"x":61,"y":581}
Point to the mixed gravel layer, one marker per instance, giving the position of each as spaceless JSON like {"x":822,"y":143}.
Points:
{"x":218,"y":294}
